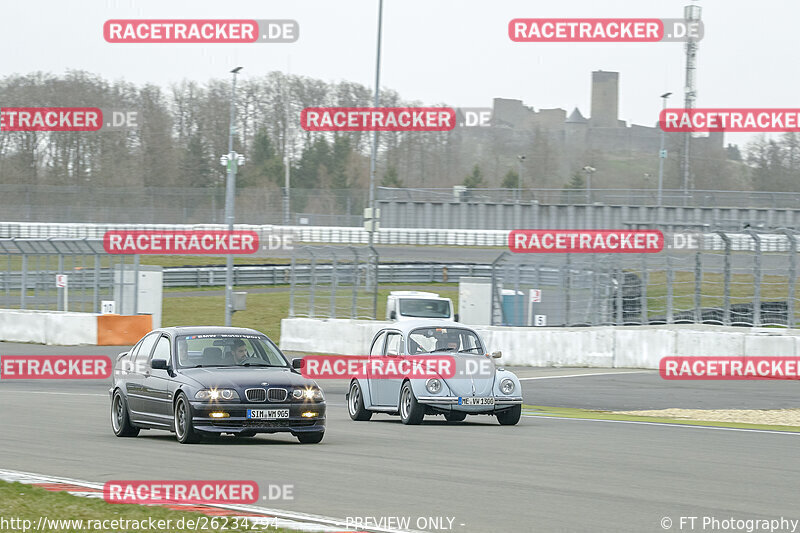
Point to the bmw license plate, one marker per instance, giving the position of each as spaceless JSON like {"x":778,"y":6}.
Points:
{"x":267,"y":414}
{"x":475,"y":401}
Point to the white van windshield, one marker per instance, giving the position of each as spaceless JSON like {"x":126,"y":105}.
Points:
{"x":424,"y":308}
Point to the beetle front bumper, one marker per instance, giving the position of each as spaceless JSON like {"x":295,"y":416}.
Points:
{"x":455,"y":400}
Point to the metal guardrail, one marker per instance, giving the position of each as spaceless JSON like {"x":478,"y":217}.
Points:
{"x":629,"y":197}
{"x":280,"y":274}
{"x":739,"y":241}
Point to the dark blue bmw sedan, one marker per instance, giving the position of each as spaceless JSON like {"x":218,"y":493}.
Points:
{"x":198,"y":381}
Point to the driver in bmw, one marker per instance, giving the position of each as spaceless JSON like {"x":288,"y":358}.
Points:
{"x":240,"y":355}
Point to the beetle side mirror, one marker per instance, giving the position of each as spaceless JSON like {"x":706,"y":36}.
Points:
{"x":497,"y":355}
{"x":298,"y":363}
{"x":159,"y":364}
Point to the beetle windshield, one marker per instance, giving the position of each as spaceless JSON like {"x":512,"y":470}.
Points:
{"x":456,"y":340}
{"x":214,"y":350}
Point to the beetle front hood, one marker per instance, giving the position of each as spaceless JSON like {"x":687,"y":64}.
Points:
{"x":468,"y":383}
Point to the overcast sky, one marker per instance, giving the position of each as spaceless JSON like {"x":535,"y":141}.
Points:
{"x":454,"y":51}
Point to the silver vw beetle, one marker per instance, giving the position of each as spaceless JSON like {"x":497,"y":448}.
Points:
{"x":494,"y":391}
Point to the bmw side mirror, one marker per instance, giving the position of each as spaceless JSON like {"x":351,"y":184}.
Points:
{"x":497,"y":355}
{"x":159,"y":364}
{"x":298,"y":363}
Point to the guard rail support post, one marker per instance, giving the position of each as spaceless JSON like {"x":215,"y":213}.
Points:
{"x":726,"y":305}
{"x":698,"y":286}
{"x":790,"y":320}
{"x":756,"y":279}
{"x":670,"y":280}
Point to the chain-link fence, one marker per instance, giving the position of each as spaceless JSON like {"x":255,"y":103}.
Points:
{"x":64,"y":275}
{"x":334,"y":282}
{"x":724,"y":279}
{"x":322,"y":206}
{"x":629,"y":197}
{"x":178,"y":205}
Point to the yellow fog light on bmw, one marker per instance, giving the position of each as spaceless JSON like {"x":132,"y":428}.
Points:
{"x":218,"y":414}
{"x":309,"y":414}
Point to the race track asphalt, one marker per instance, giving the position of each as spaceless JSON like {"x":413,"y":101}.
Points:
{"x":541,"y":475}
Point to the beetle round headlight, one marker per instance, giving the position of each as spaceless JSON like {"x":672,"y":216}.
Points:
{"x":433,"y":385}
{"x":507,"y":386}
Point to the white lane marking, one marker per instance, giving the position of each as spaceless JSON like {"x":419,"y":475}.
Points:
{"x":50,"y":392}
{"x":591,"y":374}
{"x":666,"y":424}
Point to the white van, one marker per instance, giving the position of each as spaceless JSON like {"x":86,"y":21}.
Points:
{"x":409,"y":305}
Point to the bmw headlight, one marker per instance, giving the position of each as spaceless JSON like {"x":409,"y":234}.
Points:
{"x":313,"y":394}
{"x":217,"y":395}
{"x":434,"y":385}
{"x":507,"y":386}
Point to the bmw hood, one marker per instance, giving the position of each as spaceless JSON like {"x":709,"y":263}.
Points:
{"x":245,"y":378}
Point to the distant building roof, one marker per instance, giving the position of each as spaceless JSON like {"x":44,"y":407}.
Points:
{"x":576,"y":118}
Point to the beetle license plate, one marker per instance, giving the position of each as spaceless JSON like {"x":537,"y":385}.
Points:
{"x":475,"y":401}
{"x":267,"y":414}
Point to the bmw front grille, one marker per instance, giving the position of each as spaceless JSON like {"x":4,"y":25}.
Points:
{"x":256,"y":395}
{"x":277,"y":395}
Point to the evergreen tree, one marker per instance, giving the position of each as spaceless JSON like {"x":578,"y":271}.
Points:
{"x":475,"y":179}
{"x":510,"y":180}
{"x":391,"y":179}
{"x":576,"y":182}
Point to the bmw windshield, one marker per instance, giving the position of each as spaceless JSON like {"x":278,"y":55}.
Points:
{"x":216,"y":350}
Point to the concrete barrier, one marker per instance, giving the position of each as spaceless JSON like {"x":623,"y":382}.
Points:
{"x":23,"y":326}
{"x":606,"y":346}
{"x":70,"y":329}
{"x":333,"y":336}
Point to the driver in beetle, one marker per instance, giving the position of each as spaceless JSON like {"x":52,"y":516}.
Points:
{"x":447,"y":341}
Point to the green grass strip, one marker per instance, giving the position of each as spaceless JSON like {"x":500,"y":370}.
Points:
{"x":586,"y":414}
{"x":22,"y":502}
